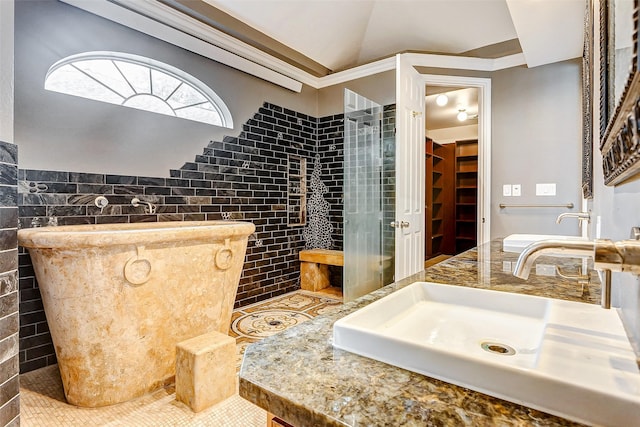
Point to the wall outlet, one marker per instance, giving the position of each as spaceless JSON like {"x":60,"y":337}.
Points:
{"x":546,"y":189}
{"x":516,"y":190}
{"x":507,"y":267}
{"x":506,"y":190}
{"x":545,"y":270}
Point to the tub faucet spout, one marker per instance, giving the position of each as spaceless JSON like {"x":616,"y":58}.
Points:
{"x":149,"y":207}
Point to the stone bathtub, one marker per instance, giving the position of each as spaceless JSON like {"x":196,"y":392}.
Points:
{"x":119,"y":297}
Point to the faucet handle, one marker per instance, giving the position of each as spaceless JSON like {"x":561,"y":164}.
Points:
{"x":617,"y":256}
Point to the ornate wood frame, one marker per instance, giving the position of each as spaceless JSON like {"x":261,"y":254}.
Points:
{"x":587,"y":110}
{"x":620,"y":143}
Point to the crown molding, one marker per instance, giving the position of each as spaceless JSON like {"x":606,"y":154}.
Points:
{"x":510,"y":61}
{"x":366,"y":70}
{"x":465,"y":63}
{"x":165,"y":23}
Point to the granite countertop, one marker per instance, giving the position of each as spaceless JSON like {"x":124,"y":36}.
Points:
{"x":298,"y":376}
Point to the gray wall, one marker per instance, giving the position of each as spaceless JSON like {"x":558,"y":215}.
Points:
{"x":112,"y":139}
{"x":619,"y":209}
{"x":536,"y":138}
{"x":380,"y":88}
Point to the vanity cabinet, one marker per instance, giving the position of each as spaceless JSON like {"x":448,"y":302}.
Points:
{"x":273,"y":421}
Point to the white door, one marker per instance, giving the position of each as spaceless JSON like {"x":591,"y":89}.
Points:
{"x":410,"y":179}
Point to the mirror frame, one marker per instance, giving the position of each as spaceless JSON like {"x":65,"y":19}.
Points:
{"x":620,"y":141}
{"x":587,"y":103}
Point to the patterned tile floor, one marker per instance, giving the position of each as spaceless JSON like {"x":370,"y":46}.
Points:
{"x":43,"y":404}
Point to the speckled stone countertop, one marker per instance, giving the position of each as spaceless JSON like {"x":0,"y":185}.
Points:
{"x":298,"y":376}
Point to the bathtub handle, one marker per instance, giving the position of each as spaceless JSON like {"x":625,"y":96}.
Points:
{"x":224,"y":256}
{"x":129,"y":271}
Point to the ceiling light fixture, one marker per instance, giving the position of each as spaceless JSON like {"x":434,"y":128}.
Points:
{"x":462,"y":115}
{"x":442,"y":100}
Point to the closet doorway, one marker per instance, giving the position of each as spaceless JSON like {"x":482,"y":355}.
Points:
{"x":451,"y":170}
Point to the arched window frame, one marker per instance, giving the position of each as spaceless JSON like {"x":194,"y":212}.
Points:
{"x":217,"y":104}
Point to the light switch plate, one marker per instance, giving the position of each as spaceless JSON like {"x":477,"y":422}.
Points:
{"x":516,"y":190}
{"x":546,"y":189}
{"x":506,"y":190}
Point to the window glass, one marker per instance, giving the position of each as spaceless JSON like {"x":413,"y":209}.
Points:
{"x":138,"y":82}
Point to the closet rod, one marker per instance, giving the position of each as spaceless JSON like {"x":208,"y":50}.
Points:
{"x":566,"y":205}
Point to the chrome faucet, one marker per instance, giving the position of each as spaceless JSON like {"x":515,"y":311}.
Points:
{"x":607,"y":256}
{"x":149,"y":208}
{"x":582,"y":216}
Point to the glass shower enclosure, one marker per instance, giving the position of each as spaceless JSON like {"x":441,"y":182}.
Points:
{"x":369,"y":196}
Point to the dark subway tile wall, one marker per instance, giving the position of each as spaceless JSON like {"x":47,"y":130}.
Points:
{"x":9,"y":314}
{"x":239,"y":178}
{"x":330,"y":148}
{"x":389,"y":186}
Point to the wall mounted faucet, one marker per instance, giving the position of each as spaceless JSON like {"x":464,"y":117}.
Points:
{"x":149,"y":207}
{"x":607,"y":256}
{"x":582,"y":216}
{"x":101,"y":202}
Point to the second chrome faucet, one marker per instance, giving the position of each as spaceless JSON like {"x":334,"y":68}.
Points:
{"x":607,"y":256}
{"x":582,"y":216}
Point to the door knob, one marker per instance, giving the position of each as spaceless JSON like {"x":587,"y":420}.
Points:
{"x":399,"y":224}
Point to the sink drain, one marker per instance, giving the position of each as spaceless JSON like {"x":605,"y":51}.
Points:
{"x":498,"y":348}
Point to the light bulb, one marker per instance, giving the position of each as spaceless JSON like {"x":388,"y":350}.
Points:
{"x":442,"y":100}
{"x":462,"y":115}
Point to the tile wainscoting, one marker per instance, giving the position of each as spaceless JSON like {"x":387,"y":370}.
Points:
{"x":9,"y":316}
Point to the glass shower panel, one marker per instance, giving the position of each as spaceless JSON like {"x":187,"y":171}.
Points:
{"x":364,"y":258}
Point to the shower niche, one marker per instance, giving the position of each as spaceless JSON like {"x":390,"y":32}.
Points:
{"x":296,"y":191}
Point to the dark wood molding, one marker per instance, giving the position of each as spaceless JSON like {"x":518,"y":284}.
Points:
{"x":620,"y":145}
{"x":587,"y":104}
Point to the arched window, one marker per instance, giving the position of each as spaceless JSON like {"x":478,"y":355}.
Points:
{"x":138,"y":82}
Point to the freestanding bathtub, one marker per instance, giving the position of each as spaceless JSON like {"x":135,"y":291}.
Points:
{"x":119,"y":297}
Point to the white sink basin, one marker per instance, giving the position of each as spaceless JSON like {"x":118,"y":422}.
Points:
{"x":517,"y":242}
{"x":566,"y":358}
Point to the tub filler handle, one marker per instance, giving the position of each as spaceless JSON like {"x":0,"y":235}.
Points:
{"x":137,"y":269}
{"x":224,"y":257}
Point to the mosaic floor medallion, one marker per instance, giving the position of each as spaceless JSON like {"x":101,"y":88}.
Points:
{"x":256,"y":321}
{"x":265,"y":323}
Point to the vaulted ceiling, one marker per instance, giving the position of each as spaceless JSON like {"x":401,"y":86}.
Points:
{"x":325,"y":36}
